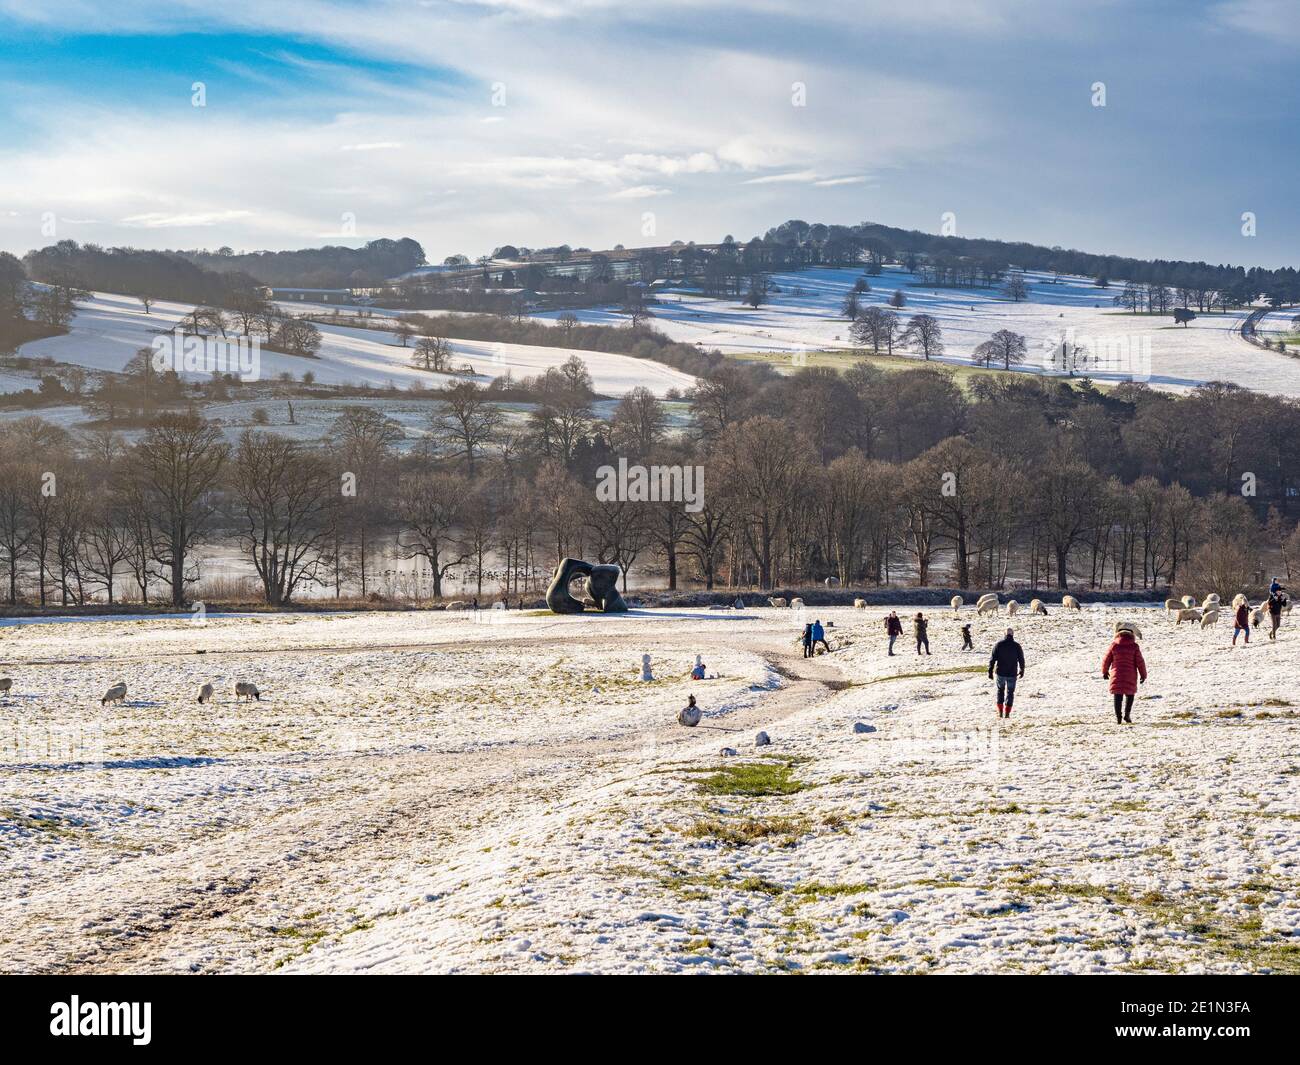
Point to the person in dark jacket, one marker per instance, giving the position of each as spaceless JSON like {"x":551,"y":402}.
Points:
{"x":1275,"y":603}
{"x":893,"y":628}
{"x":1124,"y":666}
{"x":1008,"y":660}
{"x":1241,"y":623}
{"x":920,"y":628}
{"x":808,"y":640}
{"x":966,"y":644}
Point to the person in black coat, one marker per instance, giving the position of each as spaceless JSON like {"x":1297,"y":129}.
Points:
{"x":1008,"y":659}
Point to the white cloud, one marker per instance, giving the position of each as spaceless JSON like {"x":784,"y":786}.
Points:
{"x":641,"y":192}
{"x":804,"y":176}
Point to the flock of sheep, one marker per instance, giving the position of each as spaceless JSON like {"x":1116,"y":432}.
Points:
{"x":1185,"y":609}
{"x":117,"y":693}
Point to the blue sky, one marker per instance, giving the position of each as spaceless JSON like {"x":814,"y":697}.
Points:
{"x":472,"y":124}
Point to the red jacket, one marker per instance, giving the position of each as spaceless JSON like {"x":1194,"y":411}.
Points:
{"x":1125,"y":664}
{"x":1242,"y":619}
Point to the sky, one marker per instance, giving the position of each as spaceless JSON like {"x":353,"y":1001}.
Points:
{"x":469,"y":124}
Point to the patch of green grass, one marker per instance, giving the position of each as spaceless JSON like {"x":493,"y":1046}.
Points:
{"x":753,"y":779}
{"x":816,"y":890}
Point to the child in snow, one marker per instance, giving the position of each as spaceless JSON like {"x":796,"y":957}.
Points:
{"x":1123,"y":666}
{"x":966,"y":644}
{"x":1241,"y":623}
{"x":698,"y":672}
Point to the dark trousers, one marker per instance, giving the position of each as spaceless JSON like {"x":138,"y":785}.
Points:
{"x":1123,"y":707}
{"x":922,"y":641}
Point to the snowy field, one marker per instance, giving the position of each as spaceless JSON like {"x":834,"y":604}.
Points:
{"x":805,"y":316}
{"x":108,"y":330}
{"x":426,"y":792}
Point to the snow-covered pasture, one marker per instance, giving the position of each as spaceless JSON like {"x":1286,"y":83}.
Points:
{"x":803,"y":314}
{"x":424,"y":792}
{"x":109,"y":329}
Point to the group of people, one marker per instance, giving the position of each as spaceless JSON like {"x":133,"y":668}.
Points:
{"x":1274,"y":603}
{"x":1122,"y":665}
{"x":814,"y":634}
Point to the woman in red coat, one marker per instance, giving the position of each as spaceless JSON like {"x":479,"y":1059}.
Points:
{"x":1123,"y":666}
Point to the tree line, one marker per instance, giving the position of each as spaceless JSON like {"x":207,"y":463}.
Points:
{"x":868,"y":476}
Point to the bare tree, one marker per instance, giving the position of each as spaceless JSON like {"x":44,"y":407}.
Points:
{"x":282,"y":493}
{"x":924,"y":334}
{"x":176,"y":467}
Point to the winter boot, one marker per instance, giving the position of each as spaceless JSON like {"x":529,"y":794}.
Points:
{"x":1000,"y":710}
{"x":1127,"y":720}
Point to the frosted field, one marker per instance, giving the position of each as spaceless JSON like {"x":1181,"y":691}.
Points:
{"x":1181,"y":358}
{"x":108,"y":330}
{"x":427,"y":793}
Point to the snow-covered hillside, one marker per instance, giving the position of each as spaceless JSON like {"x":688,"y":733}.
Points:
{"x":109,"y":329}
{"x":804,"y":315}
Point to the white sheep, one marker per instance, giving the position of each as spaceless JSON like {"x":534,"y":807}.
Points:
{"x":859,"y":604}
{"x":6,"y":684}
{"x":1210,"y":617}
{"x":1070,"y":603}
{"x":1211,"y":602}
{"x":796,"y":604}
{"x":775,"y":602}
{"x":115,"y":694}
{"x":1188,"y":602}
{"x":1012,"y":607}
{"x":1172,"y":606}
{"x":1257,"y":617}
{"x":986,"y":597}
{"x":956,"y":603}
{"x":247,"y":690}
{"x":1036,"y":607}
{"x":206,"y":693}
{"x":989,"y":606}
{"x":1189,"y":613}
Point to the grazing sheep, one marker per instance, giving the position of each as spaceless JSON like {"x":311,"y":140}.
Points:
{"x":6,"y":683}
{"x":1210,"y":617}
{"x":1211,"y":603}
{"x":1128,"y":626}
{"x":1068,"y":602}
{"x":989,"y":606}
{"x":1257,"y":617}
{"x":832,"y":582}
{"x":796,"y":604}
{"x":115,"y":694}
{"x":775,"y":602}
{"x":1172,"y":606}
{"x":1036,"y":607}
{"x":986,"y":597}
{"x":1012,"y":607}
{"x":249,"y":691}
{"x":1188,"y":603}
{"x":859,"y":604}
{"x":956,"y":603}
{"x":1188,"y":614}
{"x":206,"y":693}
